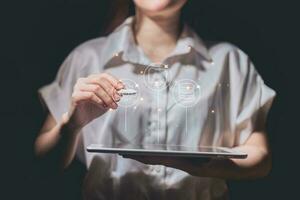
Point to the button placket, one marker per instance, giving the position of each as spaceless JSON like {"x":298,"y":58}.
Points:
{"x":156,"y":121}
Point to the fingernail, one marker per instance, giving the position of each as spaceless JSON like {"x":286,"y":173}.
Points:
{"x":117,"y":97}
{"x":114,"y":106}
{"x":120,"y":85}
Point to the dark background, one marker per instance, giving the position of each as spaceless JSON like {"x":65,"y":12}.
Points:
{"x":37,"y":35}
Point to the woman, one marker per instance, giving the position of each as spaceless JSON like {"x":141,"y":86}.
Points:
{"x":86,"y":107}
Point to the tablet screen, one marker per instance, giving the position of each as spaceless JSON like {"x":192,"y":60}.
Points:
{"x":165,"y":150}
{"x":123,"y":148}
{"x":165,"y":147}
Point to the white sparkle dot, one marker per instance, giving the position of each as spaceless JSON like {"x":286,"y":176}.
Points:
{"x":136,"y":85}
{"x":134,"y":107}
{"x":212,"y":111}
{"x":110,"y":109}
{"x":166,"y":66}
{"x":141,"y":72}
{"x":198,"y":86}
{"x":159,"y":109}
{"x":188,"y":87}
{"x":116,"y":54}
{"x":142,"y":99}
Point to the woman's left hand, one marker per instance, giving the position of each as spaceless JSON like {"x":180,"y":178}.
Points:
{"x":257,"y":164}
{"x":191,"y":165}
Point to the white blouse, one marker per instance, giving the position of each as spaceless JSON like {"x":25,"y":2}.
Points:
{"x":202,"y":94}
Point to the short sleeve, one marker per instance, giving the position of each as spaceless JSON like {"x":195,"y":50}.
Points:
{"x":255,"y":100}
{"x":57,"y":95}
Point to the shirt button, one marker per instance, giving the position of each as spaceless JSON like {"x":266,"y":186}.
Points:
{"x":153,"y":125}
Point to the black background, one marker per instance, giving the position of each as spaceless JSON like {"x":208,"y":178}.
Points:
{"x":37,"y":35}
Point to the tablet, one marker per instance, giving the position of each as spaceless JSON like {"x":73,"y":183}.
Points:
{"x":165,"y":150}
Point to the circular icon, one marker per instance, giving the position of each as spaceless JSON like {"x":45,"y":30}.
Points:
{"x":129,"y":100}
{"x":156,"y":76}
{"x":186,"y":92}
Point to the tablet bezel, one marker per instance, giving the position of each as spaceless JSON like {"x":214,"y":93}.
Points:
{"x":230,"y":153}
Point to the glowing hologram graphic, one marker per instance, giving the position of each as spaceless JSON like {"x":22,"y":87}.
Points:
{"x":156,"y":76}
{"x":186,"y":92}
{"x":130,"y":97}
{"x":133,"y":93}
{"x":127,"y":92}
{"x":186,"y":120}
{"x":158,"y":122}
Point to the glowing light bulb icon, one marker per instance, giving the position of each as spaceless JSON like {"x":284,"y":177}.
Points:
{"x":156,"y":76}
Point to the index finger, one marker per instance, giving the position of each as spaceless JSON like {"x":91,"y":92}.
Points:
{"x":114,"y":81}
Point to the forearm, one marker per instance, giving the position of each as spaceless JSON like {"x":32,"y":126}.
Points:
{"x":59,"y":143}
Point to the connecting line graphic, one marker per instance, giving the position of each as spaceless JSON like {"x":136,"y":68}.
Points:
{"x":130,"y":94}
{"x":125,"y":119}
{"x":186,"y":94}
{"x":186,"y":120}
{"x":158,"y":123}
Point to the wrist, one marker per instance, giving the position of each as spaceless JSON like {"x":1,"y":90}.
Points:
{"x":68,"y":126}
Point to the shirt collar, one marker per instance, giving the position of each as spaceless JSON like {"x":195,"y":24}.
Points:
{"x":129,"y":50}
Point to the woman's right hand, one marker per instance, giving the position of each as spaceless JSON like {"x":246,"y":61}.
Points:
{"x":92,"y":97}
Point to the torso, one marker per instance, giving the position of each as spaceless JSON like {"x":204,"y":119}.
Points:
{"x":164,"y":113}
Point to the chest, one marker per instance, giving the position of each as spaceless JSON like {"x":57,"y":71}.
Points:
{"x":173,"y":104}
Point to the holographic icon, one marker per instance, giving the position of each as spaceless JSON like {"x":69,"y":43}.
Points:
{"x":186,"y":92}
{"x":127,"y":92}
{"x":130,"y":97}
{"x":131,"y":93}
{"x":156,"y":76}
